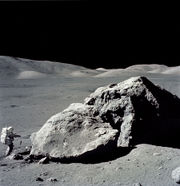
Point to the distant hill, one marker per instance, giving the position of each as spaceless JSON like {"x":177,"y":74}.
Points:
{"x":27,"y":69}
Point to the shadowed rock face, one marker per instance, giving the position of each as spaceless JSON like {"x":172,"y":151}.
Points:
{"x":118,"y":115}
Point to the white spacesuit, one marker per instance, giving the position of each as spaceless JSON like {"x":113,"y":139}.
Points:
{"x":7,"y":138}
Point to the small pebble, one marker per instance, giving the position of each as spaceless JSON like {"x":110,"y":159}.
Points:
{"x":156,"y":154}
{"x":14,"y":156}
{"x":137,"y":184}
{"x":28,"y":159}
{"x":52,"y":179}
{"x":3,"y":164}
{"x":44,"y":160}
{"x":39,"y":179}
{"x":176,"y":175}
{"x":44,"y":174}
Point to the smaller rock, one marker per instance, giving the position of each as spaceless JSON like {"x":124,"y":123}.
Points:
{"x":13,"y":106}
{"x":118,"y":168}
{"x":118,"y":184}
{"x":39,"y":179}
{"x":18,"y":157}
{"x":29,"y":159}
{"x":14,"y":156}
{"x":160,"y":168}
{"x":137,"y":184}
{"x":44,"y":174}
{"x":51,"y":179}
{"x":3,"y":164}
{"x":176,"y":175}
{"x":28,"y":148}
{"x":44,"y":160}
{"x":26,"y":151}
{"x":156,"y":154}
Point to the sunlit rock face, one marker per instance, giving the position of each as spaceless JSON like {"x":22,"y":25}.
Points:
{"x":73,"y":133}
{"x":118,"y":115}
{"x":137,"y":108}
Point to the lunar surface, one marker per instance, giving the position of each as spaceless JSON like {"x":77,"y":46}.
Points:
{"x":31,"y":92}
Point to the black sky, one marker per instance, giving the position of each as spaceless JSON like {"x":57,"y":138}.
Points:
{"x":90,"y":34}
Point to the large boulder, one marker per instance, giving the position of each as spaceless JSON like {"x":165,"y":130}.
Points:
{"x":117,"y":115}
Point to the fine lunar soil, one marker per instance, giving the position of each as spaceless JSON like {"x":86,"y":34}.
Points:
{"x":32,"y":91}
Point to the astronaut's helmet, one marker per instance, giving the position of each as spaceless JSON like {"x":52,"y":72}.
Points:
{"x":10,"y":129}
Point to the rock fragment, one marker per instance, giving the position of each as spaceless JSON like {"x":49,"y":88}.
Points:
{"x":44,"y":174}
{"x":137,"y":184}
{"x":14,"y":156}
{"x":29,"y":159}
{"x":44,"y":160}
{"x":176,"y":175}
{"x":39,"y":179}
{"x":51,"y":179}
{"x":156,"y":154}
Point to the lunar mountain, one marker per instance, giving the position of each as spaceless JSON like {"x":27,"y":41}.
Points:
{"x":113,"y":117}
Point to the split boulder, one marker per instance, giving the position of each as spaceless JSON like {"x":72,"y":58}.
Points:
{"x":117,"y":115}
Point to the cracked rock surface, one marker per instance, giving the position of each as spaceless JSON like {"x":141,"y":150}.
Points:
{"x":73,"y":133}
{"x":117,"y":115}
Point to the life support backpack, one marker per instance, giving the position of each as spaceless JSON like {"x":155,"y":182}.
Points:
{"x":7,"y":135}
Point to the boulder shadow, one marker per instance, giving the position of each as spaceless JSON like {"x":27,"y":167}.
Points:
{"x":99,"y":157}
{"x":165,"y":133}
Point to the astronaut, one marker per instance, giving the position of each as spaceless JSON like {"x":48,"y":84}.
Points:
{"x":7,"y":138}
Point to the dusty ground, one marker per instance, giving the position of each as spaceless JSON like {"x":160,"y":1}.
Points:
{"x":27,"y":103}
